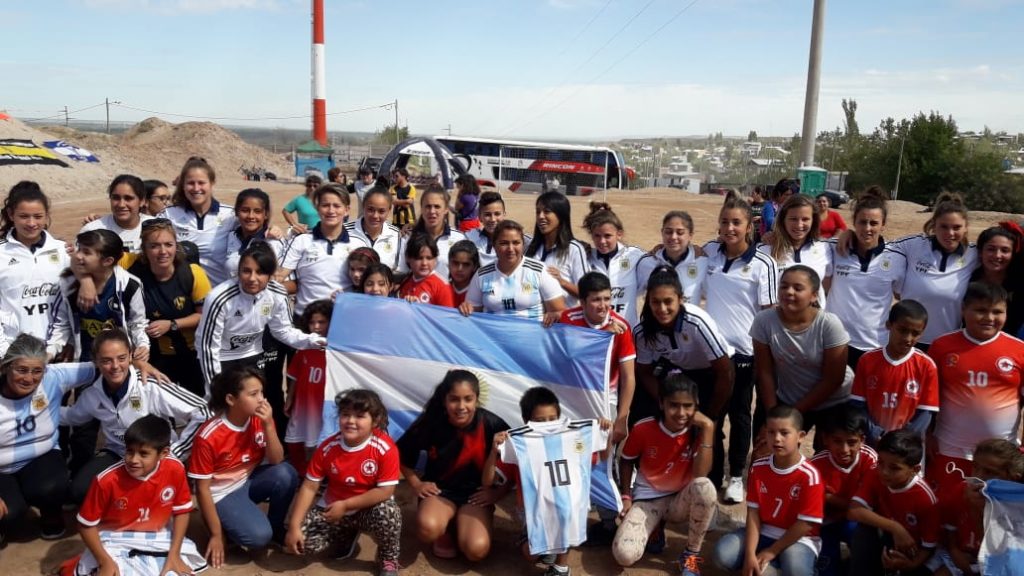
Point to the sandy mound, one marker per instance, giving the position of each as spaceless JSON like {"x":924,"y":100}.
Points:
{"x":151,"y":149}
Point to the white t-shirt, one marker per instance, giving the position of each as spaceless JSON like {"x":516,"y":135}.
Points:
{"x":572,"y":264}
{"x":621,"y":271}
{"x":484,"y":246}
{"x":320,"y":266}
{"x":131,"y":237}
{"x":521,"y":293}
{"x":689,"y":269}
{"x":862,"y":290}
{"x":937,"y":280}
{"x":736,"y":290}
{"x":815,"y":254}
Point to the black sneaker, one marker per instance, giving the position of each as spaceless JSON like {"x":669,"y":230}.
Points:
{"x":52,"y":527}
{"x":599,"y":536}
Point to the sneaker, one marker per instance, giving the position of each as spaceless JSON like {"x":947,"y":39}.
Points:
{"x":598,"y":535}
{"x":656,"y":542}
{"x":444,"y":547}
{"x":734,"y":491}
{"x":557,"y":571}
{"x":52,"y":527}
{"x":689,"y":563}
{"x":389,"y":568}
{"x":348,"y":549}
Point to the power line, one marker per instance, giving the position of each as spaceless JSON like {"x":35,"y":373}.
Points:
{"x":589,"y":59}
{"x":237,"y":119}
{"x":612,"y":66}
{"x":64,"y":113}
{"x":568,"y":45}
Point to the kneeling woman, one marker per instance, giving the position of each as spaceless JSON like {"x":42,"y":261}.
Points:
{"x":228,"y":466}
{"x":456,"y":435}
{"x":32,"y":470}
{"x":230,"y":331}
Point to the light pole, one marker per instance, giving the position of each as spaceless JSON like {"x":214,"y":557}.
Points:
{"x":813,"y":83}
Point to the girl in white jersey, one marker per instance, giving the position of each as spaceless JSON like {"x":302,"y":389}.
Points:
{"x":939,"y":266}
{"x":197,"y":215}
{"x":433,"y":221}
{"x":126,"y":193}
{"x":31,"y":261}
{"x":614,"y":259}
{"x":250,"y":224}
{"x":740,"y":282}
{"x":514,"y":284}
{"x":492,"y":211}
{"x":688,"y":262}
{"x":554,"y":245}
{"x":865,"y":279}
{"x":794,"y":240}
{"x":375,"y":227}
{"x":319,"y":257}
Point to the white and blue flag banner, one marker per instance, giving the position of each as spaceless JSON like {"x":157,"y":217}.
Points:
{"x":1002,"y":549}
{"x":402,"y":351}
{"x":71,"y":151}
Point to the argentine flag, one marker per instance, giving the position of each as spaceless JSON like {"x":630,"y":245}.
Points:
{"x":402,"y":351}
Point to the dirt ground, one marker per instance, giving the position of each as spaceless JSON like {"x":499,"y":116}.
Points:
{"x":641,"y":213}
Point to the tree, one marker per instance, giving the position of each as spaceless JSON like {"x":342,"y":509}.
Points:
{"x":752,"y":136}
{"x":850,"y":122}
{"x":387,"y":135}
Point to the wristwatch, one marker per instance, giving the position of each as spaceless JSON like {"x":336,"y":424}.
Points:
{"x":174,"y":325}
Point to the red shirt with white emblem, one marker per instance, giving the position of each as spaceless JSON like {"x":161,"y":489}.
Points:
{"x":894,"y":389}
{"x":913,"y":506}
{"x":227,"y":454}
{"x":963,"y":521}
{"x":666,"y":458}
{"x":117,"y":501}
{"x":430,"y":290}
{"x":351,"y":471}
{"x":782,"y":496}
{"x":980,"y":385}
{"x":843,"y":482}
{"x":623,"y":347}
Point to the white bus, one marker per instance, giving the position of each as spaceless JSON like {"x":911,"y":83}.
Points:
{"x":540,"y":166}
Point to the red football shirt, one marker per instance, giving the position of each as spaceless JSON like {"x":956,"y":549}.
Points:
{"x":894,"y":389}
{"x":784,"y":495}
{"x":843,"y":482}
{"x":623,"y":348}
{"x":118,"y":501}
{"x":430,"y":290}
{"x":227,"y":454}
{"x":307,"y":373}
{"x":980,"y":386}
{"x":665,"y":458}
{"x":914,"y":506}
{"x":958,"y":518}
{"x":351,"y":471}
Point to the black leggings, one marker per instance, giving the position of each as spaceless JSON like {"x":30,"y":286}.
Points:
{"x":82,"y":479}
{"x":183,"y":369}
{"x":738,"y":410}
{"x":41,"y":483}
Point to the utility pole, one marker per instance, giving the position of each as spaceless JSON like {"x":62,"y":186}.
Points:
{"x":65,"y":116}
{"x":813,"y":83}
{"x":397,"y":136}
{"x":899,"y":168}
{"x":449,"y":129}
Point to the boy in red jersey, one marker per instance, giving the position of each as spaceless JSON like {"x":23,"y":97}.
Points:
{"x":980,"y":377}
{"x":844,"y":465}
{"x":898,"y":384}
{"x":785,"y":506}
{"x":126,"y":518}
{"x":595,"y":311}
{"x":897,"y":501}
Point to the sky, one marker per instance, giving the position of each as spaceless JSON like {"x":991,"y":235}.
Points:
{"x":553,"y":69}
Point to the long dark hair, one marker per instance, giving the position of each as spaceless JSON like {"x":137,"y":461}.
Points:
{"x":557,"y":203}
{"x":661,"y":276}
{"x":435,"y":415}
{"x":24,"y":191}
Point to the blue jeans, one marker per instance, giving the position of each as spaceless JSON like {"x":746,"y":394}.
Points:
{"x":241,"y":519}
{"x":831,"y":535}
{"x":797,"y":560}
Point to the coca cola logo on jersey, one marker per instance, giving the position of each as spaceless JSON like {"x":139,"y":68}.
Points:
{"x":44,"y":289}
{"x":368,"y":467}
{"x":1005,"y":365}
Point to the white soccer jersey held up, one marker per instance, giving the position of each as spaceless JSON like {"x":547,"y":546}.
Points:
{"x":554,"y":460}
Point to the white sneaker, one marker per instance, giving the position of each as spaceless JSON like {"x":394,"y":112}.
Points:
{"x":734,"y":491}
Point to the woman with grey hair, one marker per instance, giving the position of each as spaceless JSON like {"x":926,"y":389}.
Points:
{"x":32,"y":468}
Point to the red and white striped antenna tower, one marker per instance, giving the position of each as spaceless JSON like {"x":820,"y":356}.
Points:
{"x":319,"y":85}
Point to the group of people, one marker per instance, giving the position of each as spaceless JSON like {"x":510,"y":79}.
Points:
{"x":189,"y":334}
